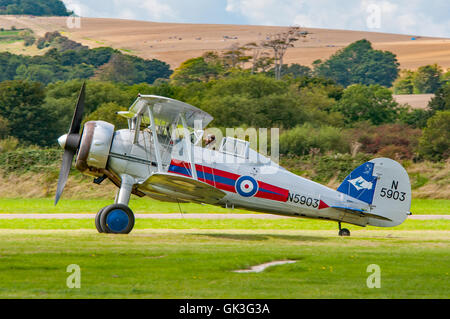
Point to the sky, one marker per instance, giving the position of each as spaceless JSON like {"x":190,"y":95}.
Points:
{"x":414,"y":17}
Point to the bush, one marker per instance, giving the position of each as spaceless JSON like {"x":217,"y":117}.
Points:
{"x":324,"y":168}
{"x":9,"y":144}
{"x":416,"y":118}
{"x":306,"y":139}
{"x":374,"y":139}
{"x":338,"y":165}
{"x":31,"y":159}
{"x":435,"y":142}
{"x":396,"y":152}
{"x":29,"y":40}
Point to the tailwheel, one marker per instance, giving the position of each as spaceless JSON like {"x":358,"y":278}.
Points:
{"x":116,"y":219}
{"x":343,"y":232}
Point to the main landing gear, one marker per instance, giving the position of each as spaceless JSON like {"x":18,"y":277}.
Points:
{"x":343,"y":232}
{"x":117,"y":218}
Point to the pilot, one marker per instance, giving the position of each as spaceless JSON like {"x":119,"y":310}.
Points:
{"x":210,"y":142}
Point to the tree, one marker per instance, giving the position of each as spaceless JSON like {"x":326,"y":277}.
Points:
{"x":38,"y":73}
{"x":441,"y":101}
{"x":9,"y":64}
{"x":404,"y":83}
{"x":243,"y":99}
{"x":359,"y":63}
{"x":54,"y":66}
{"x":263,"y":63}
{"x":260,"y":59}
{"x":427,"y":79}
{"x":434,"y":144}
{"x":446,"y":78}
{"x":97,"y":93}
{"x":20,"y":103}
{"x":279,"y":43}
{"x":4,"y":128}
{"x":118,"y":69}
{"x":372,"y":103}
{"x":107,"y":112}
{"x":34,"y":7}
{"x":295,"y":71}
{"x":414,"y":117}
{"x":235,"y":56}
{"x":195,"y":70}
{"x":333,"y":90}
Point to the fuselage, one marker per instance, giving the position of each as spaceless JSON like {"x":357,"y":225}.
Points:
{"x":254,"y":183}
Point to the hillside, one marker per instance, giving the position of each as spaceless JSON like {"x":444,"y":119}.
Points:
{"x":175,"y":43}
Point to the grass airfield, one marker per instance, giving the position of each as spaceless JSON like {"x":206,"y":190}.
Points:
{"x":188,"y":258}
{"x":144,"y":205}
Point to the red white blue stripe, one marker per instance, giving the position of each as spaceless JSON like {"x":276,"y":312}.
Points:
{"x":229,"y":181}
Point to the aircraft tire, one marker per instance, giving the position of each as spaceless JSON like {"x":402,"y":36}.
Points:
{"x":117,"y":219}
{"x":344,"y":232}
{"x":97,"y":221}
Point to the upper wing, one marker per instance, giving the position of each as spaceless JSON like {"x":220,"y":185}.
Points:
{"x":184,"y":188}
{"x":166,"y":109}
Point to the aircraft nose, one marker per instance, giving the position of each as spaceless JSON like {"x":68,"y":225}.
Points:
{"x":62,"y":140}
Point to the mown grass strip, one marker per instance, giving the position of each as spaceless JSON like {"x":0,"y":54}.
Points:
{"x":255,"y":224}
{"x":143,"y":205}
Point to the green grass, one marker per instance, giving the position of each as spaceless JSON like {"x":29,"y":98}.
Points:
{"x":229,"y":224}
{"x":45,"y":205}
{"x":9,"y":32}
{"x":192,"y":258}
{"x":430,"y":207}
{"x":198,"y":263}
{"x":65,"y":206}
{"x":10,"y":36}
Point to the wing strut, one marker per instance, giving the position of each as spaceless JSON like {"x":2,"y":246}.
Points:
{"x":187,"y":139}
{"x":155,"y":139}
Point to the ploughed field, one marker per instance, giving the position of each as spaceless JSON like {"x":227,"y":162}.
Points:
{"x":176,"y":42}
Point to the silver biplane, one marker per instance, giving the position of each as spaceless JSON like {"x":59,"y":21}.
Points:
{"x":160,"y":155}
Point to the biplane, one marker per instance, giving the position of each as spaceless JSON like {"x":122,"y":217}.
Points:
{"x":160,"y":155}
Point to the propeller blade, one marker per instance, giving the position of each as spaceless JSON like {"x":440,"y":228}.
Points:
{"x":79,"y":110}
{"x":70,"y":142}
{"x":64,"y":173}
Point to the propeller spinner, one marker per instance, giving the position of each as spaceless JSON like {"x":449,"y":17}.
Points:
{"x":70,"y":142}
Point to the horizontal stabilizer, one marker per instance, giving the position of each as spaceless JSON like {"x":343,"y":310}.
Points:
{"x":360,"y":212}
{"x":185,"y":188}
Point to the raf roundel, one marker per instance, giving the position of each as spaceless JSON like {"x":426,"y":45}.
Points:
{"x":246,"y":186}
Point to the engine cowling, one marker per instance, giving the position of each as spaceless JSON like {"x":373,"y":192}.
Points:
{"x":94,"y":147}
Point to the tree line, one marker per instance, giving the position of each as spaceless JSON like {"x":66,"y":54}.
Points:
{"x":34,"y":7}
{"x":104,"y":63}
{"x":317,"y":113}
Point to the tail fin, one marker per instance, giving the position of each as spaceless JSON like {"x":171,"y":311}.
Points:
{"x":384,"y":185}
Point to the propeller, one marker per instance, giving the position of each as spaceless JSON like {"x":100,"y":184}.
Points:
{"x":70,"y":142}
